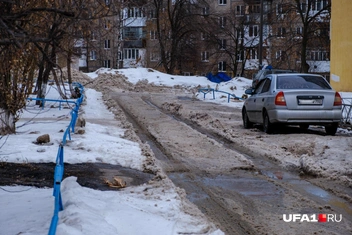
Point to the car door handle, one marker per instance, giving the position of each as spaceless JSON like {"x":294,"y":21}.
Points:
{"x":263,"y":99}
{"x":255,"y":100}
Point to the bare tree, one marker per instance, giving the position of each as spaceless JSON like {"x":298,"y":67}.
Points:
{"x":99,"y":25}
{"x":30,"y":35}
{"x":300,"y":26}
{"x":228,"y":34}
{"x":18,"y":61}
{"x":176,"y":24}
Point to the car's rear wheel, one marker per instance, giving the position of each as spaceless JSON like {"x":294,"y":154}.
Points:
{"x":246,"y":123}
{"x":268,"y":127}
{"x":332,"y":128}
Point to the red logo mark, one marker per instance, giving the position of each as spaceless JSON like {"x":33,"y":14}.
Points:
{"x":322,"y":218}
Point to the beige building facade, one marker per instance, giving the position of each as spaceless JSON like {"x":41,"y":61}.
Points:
{"x":341,"y":45}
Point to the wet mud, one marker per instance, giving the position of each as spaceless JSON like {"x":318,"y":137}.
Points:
{"x":92,"y":175}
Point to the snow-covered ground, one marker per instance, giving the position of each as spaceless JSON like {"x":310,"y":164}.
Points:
{"x":162,"y":209}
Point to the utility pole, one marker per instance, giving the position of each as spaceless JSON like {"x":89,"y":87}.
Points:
{"x":260,"y":48}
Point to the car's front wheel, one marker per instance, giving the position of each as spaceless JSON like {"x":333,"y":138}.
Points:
{"x":332,"y":128}
{"x":268,"y":127}
{"x":246,"y":123}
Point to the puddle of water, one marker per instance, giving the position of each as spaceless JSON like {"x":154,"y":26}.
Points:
{"x":194,"y":193}
{"x":194,"y":197}
{"x":185,"y":98}
{"x":298,"y":182}
{"x":247,"y":186}
{"x":303,"y":185}
{"x":311,"y":189}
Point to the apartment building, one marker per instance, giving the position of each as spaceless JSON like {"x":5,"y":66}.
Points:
{"x":100,"y":41}
{"x":299,"y":36}
{"x":133,"y":48}
{"x":229,"y":36}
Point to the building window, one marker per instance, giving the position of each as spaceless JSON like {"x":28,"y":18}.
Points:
{"x":132,"y":33}
{"x":240,"y":10}
{"x":204,"y":36}
{"x":83,"y":55}
{"x":205,"y":56}
{"x":154,"y":56}
{"x":252,"y":52}
{"x":281,"y":32}
{"x":131,"y":53}
{"x":205,"y":11}
{"x":92,"y":36}
{"x":107,"y":64}
{"x":282,"y":9}
{"x":130,"y":12}
{"x":135,"y":12}
{"x":222,"y":66}
{"x":222,"y":2}
{"x":254,"y":8}
{"x":153,"y":35}
{"x":240,"y":56}
{"x":222,"y":21}
{"x":302,"y":7}
{"x":322,"y":32}
{"x":239,"y":33}
{"x":93,"y":55}
{"x":319,"y":55}
{"x":318,"y":5}
{"x":151,"y":14}
{"x":222,"y":44}
{"x":281,"y":55}
{"x":107,"y":24}
{"x":253,"y":31}
{"x":299,"y":31}
{"x":107,"y":44}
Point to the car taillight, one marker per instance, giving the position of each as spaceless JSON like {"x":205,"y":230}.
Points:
{"x":280,"y":99}
{"x":337,"y":100}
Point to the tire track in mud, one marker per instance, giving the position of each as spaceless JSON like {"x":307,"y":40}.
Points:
{"x":219,"y":214}
{"x":239,"y":200}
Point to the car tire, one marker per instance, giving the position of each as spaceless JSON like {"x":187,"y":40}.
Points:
{"x":332,"y":128}
{"x":246,"y":123}
{"x":268,"y":127}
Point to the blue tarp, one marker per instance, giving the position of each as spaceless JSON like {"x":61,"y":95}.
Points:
{"x":219,"y":77}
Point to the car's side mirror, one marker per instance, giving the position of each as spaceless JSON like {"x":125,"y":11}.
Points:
{"x":249,"y":91}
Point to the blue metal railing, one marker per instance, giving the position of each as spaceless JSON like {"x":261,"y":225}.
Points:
{"x":347,"y":111}
{"x":211,"y":90}
{"x":59,"y":168}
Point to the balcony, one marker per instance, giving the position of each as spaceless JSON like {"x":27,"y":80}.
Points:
{"x":134,"y":43}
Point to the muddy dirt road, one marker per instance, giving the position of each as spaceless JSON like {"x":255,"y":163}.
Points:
{"x":233,"y":174}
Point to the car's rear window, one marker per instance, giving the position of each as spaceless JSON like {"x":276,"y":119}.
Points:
{"x":301,"y":82}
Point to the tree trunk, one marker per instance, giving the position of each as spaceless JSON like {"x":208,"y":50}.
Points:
{"x":7,"y":122}
{"x":48,"y":63}
{"x":304,"y":64}
{"x":57,"y":82}
{"x":69,"y":76}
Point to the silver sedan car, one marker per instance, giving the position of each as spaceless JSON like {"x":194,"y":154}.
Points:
{"x":292,"y":99}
